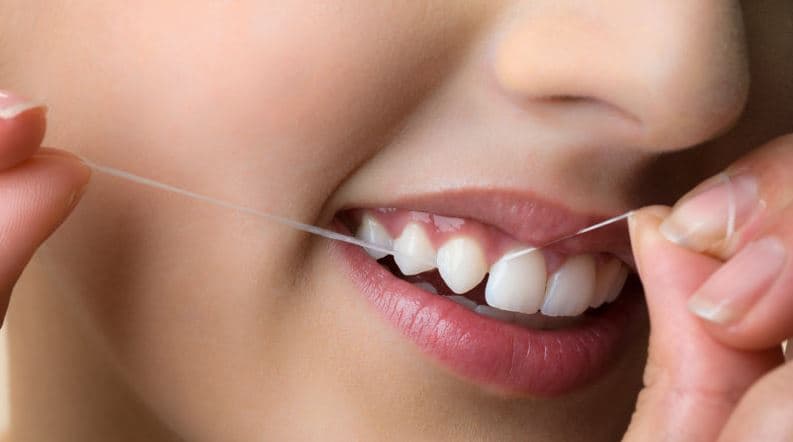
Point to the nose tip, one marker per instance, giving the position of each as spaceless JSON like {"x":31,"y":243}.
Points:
{"x":678,"y":68}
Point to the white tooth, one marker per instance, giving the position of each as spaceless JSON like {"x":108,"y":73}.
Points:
{"x":416,"y":254}
{"x":571,"y":288}
{"x":375,"y":233}
{"x":501,"y":315}
{"x":607,"y":274}
{"x":426,"y":286}
{"x":517,"y":285}
{"x":461,"y":263}
{"x":619,"y":283}
{"x":462,"y":300}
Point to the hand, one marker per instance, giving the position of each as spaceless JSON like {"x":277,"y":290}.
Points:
{"x":720,"y":303}
{"x":38,"y":188}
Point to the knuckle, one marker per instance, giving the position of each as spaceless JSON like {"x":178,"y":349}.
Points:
{"x":715,"y":398}
{"x":719,"y":397}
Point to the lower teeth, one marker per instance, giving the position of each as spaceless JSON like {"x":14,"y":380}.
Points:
{"x":462,"y":300}
{"x":534,"y":321}
{"x":491,"y":312}
{"x":427,"y":287}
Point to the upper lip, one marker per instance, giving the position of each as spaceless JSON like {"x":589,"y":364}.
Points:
{"x":526,"y":217}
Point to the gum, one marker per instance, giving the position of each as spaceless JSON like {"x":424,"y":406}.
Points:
{"x":440,"y":229}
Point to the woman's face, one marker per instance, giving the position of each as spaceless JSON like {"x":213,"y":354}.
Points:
{"x":523,"y":118}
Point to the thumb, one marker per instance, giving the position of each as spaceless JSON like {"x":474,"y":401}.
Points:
{"x":38,"y":187}
{"x":691,"y":382}
{"x":35,"y":197}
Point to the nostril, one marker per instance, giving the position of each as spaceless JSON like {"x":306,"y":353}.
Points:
{"x":584,"y":100}
{"x":567,"y":99}
{"x":581,"y":108}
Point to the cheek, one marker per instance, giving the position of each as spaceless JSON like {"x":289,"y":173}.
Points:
{"x":188,"y":305}
{"x":247,"y":101}
{"x":276,"y":95}
{"x":266,"y":106}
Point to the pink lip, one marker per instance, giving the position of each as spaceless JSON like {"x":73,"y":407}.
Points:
{"x":494,"y":354}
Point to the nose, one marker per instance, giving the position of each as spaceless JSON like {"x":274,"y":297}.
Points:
{"x":677,"y":68}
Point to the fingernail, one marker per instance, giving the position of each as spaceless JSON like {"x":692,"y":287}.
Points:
{"x":702,"y":218}
{"x":75,"y":197}
{"x":12,"y":105}
{"x":739,"y":284}
{"x":77,"y":194}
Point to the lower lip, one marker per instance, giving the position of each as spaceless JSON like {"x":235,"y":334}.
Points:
{"x":494,"y":354}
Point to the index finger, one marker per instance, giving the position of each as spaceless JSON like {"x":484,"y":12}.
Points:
{"x":22,"y":126}
{"x":726,"y":212}
{"x":748,"y":302}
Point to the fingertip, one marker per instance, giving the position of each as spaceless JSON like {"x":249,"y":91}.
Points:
{"x":643,"y":227}
{"x":13,"y":105}
{"x":30,"y":107}
{"x":72,"y":173}
{"x":669,"y":273}
{"x":647,"y":217}
{"x":81,"y":170}
{"x":21,"y":135}
{"x":36,"y":196}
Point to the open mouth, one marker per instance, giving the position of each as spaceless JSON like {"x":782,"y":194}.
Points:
{"x":542,"y":324}
{"x":464,"y":261}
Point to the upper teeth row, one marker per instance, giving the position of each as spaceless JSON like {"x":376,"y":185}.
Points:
{"x":519,"y":285}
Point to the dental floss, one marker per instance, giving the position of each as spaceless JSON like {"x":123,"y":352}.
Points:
{"x":608,"y":222}
{"x":729,"y":230}
{"x":308,"y":228}
{"x":731,"y":207}
{"x":335,"y":236}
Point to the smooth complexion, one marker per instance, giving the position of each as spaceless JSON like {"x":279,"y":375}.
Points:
{"x":157,"y":318}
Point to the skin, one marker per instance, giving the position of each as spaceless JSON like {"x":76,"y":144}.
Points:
{"x":151,"y":317}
